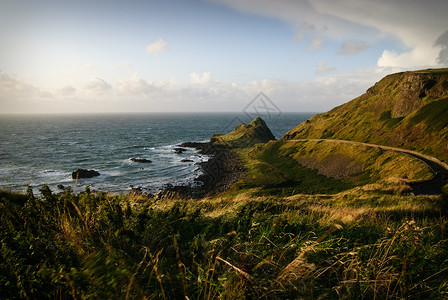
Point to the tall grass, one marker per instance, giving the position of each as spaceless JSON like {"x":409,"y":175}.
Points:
{"x":95,"y":245}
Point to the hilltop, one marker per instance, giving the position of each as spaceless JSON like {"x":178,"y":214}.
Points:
{"x":245,"y":135}
{"x":407,"y":110}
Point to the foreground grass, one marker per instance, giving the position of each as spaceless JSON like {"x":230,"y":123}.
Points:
{"x":360,"y":243}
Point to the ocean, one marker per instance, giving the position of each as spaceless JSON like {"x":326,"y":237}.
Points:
{"x":45,"y":149}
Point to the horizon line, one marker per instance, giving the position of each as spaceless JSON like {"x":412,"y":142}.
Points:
{"x":140,"y":113}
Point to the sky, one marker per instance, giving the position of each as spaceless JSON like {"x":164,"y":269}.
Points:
{"x":105,"y":56}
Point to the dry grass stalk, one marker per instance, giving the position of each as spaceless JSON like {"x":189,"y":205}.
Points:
{"x":298,"y":269}
{"x":181,"y":267}
{"x":246,"y":275}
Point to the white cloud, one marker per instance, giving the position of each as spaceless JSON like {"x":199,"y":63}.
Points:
{"x":416,"y":24}
{"x":352,"y":47}
{"x":157,"y":47}
{"x":98,"y":85}
{"x":14,"y":88}
{"x":422,"y":56}
{"x":301,"y":14}
{"x":442,"y":42}
{"x":67,"y":90}
{"x":316,"y":43}
{"x":126,"y":64}
{"x":136,"y":94}
{"x":17,"y":96}
{"x":304,"y":29}
{"x":323,"y":67}
{"x":88,"y":67}
{"x":85,"y":67}
{"x":196,"y":78}
{"x":137,"y":86}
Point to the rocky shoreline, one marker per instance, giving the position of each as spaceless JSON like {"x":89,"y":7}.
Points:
{"x":224,"y":167}
{"x":219,"y":172}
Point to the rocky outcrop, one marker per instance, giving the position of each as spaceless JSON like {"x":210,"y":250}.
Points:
{"x":82,"y":173}
{"x":245,"y":135}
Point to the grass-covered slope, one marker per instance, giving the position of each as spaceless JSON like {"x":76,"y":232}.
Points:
{"x":244,"y":135}
{"x":324,"y":167}
{"x":358,"y":163}
{"x":407,"y":110}
{"x":273,"y":170}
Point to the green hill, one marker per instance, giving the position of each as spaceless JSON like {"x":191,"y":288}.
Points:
{"x":407,"y":110}
{"x":245,"y":135}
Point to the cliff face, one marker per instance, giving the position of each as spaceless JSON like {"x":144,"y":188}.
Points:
{"x":245,"y":135}
{"x":407,"y":110}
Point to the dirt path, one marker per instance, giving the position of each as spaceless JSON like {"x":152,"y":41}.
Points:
{"x":428,"y":187}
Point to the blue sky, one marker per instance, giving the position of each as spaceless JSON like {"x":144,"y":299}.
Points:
{"x":208,"y":55}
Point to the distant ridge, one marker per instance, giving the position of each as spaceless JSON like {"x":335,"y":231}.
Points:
{"x":407,"y":110}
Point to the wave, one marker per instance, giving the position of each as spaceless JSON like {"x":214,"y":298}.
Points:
{"x":53,"y":174}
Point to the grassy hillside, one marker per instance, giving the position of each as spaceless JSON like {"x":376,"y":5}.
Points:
{"x":320,"y":167}
{"x":407,"y":110}
{"x":358,"y":163}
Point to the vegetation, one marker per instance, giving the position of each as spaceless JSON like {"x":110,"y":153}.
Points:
{"x":274,"y":171}
{"x":319,"y":167}
{"x":406,"y":110}
{"x":244,"y":135}
{"x":361,"y":243}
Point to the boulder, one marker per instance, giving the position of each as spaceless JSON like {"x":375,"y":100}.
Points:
{"x":83,"y":173}
{"x":186,"y":160}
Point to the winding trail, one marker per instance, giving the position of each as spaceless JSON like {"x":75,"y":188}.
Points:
{"x":427,"y":187}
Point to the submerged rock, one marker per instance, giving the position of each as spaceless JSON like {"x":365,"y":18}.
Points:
{"x":140,"y":160}
{"x":83,"y":173}
{"x":179,"y":150}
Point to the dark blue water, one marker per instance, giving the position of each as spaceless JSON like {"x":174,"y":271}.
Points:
{"x":39,"y":150}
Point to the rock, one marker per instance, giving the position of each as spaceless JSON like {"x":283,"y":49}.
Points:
{"x":61,"y":187}
{"x":179,"y":150}
{"x":195,"y":145}
{"x":82,"y":173}
{"x":186,"y":160}
{"x":244,"y":135}
{"x":136,"y":190}
{"x":140,"y":160}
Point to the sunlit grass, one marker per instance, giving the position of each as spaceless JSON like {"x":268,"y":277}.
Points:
{"x":360,"y":243}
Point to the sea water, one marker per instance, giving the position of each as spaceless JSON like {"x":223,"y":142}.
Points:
{"x":45,"y":149}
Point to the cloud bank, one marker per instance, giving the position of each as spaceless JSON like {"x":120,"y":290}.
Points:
{"x":136,"y":94}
